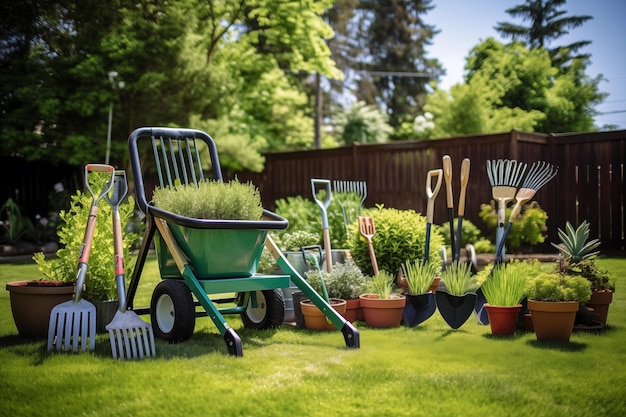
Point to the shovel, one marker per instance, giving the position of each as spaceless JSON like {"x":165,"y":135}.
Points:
{"x":465,"y":171}
{"x":75,"y":320}
{"x":366,"y":226}
{"x":130,"y":336}
{"x":430,"y":207}
{"x":324,"y":207}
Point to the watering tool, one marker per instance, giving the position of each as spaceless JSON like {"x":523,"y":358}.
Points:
{"x":504,"y":176}
{"x":75,"y":320}
{"x":131,"y":337}
{"x":447,"y":173}
{"x":465,"y":171}
{"x":367,"y":229}
{"x":323,"y":205}
{"x":430,"y":207}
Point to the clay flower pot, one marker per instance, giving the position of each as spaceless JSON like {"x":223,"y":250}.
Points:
{"x":314,"y":319}
{"x":553,"y":320}
{"x":353,"y":310}
{"x":600,"y":301}
{"x":382,"y":312}
{"x":503,"y":320}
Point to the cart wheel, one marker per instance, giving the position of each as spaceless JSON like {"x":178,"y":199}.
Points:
{"x":172,"y":311}
{"x":269,"y":312}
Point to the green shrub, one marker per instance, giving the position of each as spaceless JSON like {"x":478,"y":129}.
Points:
{"x":294,"y":241}
{"x":100,"y":279}
{"x":529,"y":229}
{"x":400,"y":236}
{"x":469,"y":234}
{"x":556,"y":287}
{"x":346,"y":281}
{"x":381,"y":284}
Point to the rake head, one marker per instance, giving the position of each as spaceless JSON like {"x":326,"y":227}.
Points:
{"x":356,"y":187}
{"x":72,"y":324}
{"x":505,"y":172}
{"x":130,"y":336}
{"x":539,"y":175}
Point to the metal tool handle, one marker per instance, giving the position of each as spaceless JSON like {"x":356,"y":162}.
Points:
{"x":120,"y":189}
{"x":323,"y":205}
{"x":89,"y":168}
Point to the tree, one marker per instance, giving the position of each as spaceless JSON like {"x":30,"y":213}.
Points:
{"x":547,"y":24}
{"x":511,"y":87}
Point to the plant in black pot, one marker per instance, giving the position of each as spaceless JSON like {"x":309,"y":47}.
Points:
{"x":421,"y":305}
{"x":578,"y":258}
{"x":456,"y":302}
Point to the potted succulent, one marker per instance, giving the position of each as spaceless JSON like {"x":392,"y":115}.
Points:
{"x":553,"y":300}
{"x":420,"y":276}
{"x":504,"y":290}
{"x":578,"y":258}
{"x":456,"y":302}
{"x":382,"y":307}
{"x":59,"y":272}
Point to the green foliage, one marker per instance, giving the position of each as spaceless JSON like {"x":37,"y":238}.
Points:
{"x":13,"y":223}
{"x":548,"y":286}
{"x":362,"y":124}
{"x":506,"y":285}
{"x":529,"y":229}
{"x":484,"y":246}
{"x":469,"y":234}
{"x":100,"y":279}
{"x":211,"y":199}
{"x":294,"y":241}
{"x":419,"y":275}
{"x":457,"y":277}
{"x":574,"y":246}
{"x":346,"y":281}
{"x":381,"y":284}
{"x":400,"y":236}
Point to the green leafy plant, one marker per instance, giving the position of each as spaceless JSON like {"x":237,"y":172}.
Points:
{"x":294,"y":241}
{"x":470,"y":233}
{"x":346,"y":281}
{"x":100,"y":279}
{"x":457,"y":277}
{"x":579,"y":256}
{"x":419,"y":275}
{"x":506,"y":285}
{"x":400,"y":236}
{"x":551,"y":286}
{"x":211,"y":199}
{"x":529,"y":229}
{"x":14,"y":224}
{"x":381,"y":284}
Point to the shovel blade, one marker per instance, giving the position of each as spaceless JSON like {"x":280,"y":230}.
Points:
{"x":131,"y":337}
{"x":72,"y":324}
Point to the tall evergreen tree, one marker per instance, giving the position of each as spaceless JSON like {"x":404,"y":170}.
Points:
{"x":547,"y":23}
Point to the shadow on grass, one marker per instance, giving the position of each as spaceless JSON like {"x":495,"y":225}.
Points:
{"x":519,"y":334}
{"x":558,"y":345}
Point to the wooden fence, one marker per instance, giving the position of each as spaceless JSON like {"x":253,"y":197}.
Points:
{"x":590,"y":184}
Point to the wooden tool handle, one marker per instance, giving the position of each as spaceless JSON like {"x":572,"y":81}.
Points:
{"x":447,"y":173}
{"x":432,"y":194}
{"x":465,"y":171}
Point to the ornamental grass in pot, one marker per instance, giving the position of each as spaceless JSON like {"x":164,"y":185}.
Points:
{"x":420,"y":276}
{"x":504,"y":290}
{"x":553,"y":300}
{"x":381,"y":305}
{"x":456,"y":303}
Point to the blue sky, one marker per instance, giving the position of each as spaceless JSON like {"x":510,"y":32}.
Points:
{"x":465,"y":23}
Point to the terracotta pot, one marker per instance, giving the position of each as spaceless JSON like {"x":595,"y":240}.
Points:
{"x":503,"y":320}
{"x":353,"y":310}
{"x":433,"y":287}
{"x":553,"y":321}
{"x":600,"y":301}
{"x":31,"y":305}
{"x":314,"y":319}
{"x":527,"y":323}
{"x":382,"y":313}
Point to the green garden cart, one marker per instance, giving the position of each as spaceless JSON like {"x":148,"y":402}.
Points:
{"x":213,"y":261}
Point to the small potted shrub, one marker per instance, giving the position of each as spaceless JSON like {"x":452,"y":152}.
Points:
{"x":456,"y":302}
{"x":553,"y":300}
{"x":382,"y":307}
{"x":420,"y":276}
{"x":59,"y":272}
{"x":578,"y":258}
{"x":504,"y":290}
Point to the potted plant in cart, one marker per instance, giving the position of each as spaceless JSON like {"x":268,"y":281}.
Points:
{"x":553,"y":300}
{"x":504,"y":290}
{"x":579,"y":259}
{"x":382,"y":307}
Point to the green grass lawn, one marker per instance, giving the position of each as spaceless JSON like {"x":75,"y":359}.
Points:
{"x":429,"y":370}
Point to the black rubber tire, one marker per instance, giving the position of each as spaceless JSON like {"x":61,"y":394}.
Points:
{"x":269,"y":313}
{"x":172,"y":311}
